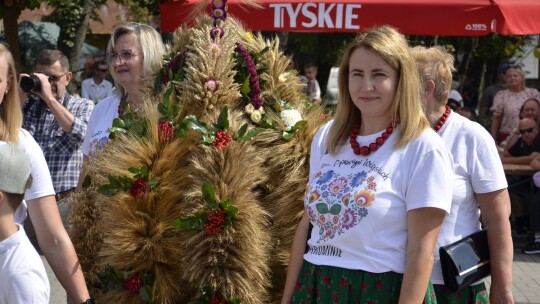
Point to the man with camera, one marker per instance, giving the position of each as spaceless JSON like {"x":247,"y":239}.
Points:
{"x":56,"y":119}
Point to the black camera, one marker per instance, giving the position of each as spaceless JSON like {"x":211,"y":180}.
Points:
{"x":30,"y":84}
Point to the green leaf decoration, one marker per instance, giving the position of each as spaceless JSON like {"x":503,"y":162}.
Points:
{"x":244,"y":89}
{"x":190,"y":223}
{"x":145,"y":294}
{"x":223,"y":119}
{"x":288,"y":135}
{"x":193,"y":123}
{"x":209,"y":194}
{"x":242,"y":131}
{"x":134,"y":170}
{"x":181,"y":133}
{"x":322,"y":208}
{"x":107,"y":190}
{"x":252,"y":133}
{"x":335,"y":209}
{"x":118,"y":123}
{"x":299,"y":125}
{"x":153,"y":183}
{"x":87,"y":181}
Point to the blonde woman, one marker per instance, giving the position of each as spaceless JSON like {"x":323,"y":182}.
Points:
{"x":379,"y":186}
{"x":479,"y":185}
{"x":39,"y":199}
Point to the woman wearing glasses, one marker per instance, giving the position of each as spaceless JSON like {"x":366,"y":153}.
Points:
{"x":135,"y":51}
{"x":507,"y":103}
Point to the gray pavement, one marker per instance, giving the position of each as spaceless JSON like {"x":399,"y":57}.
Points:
{"x":526,"y":278}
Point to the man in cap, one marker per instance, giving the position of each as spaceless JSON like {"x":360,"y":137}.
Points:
{"x":500,"y":84}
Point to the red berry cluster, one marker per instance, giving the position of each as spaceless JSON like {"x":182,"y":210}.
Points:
{"x":215,"y":222}
{"x":222,"y":139}
{"x":165,"y":131}
{"x":218,"y":299}
{"x":133,"y":282}
{"x":139,"y":188}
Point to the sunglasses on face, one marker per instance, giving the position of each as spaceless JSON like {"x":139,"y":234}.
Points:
{"x":528,"y":130}
{"x":124,"y":56}
{"x":55,"y":78}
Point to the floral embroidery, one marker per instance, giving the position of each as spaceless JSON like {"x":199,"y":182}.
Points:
{"x":338,"y":203}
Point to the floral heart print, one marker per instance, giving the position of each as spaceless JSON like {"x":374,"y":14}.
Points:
{"x":338,"y":203}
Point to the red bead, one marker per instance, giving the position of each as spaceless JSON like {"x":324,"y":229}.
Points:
{"x":389,"y":130}
{"x":373,"y":147}
{"x":442,"y":120}
{"x":364,"y":151}
{"x":384,"y":135}
{"x":379,"y":141}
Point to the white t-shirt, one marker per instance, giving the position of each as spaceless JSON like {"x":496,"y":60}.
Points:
{"x":41,"y":178}
{"x":97,"y":131}
{"x":478,"y":169}
{"x":22,"y":275}
{"x":358,"y":204}
{"x":96,"y":92}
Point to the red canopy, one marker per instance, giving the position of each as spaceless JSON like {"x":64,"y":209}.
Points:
{"x":413,"y":17}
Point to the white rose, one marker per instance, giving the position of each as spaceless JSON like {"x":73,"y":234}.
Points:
{"x":290,"y":117}
{"x":256,"y":116}
{"x":249,"y":108}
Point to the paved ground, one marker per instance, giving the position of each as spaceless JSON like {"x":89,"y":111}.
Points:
{"x":526,"y":275}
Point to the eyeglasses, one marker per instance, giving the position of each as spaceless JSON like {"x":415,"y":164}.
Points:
{"x":55,"y":78}
{"x":528,"y":130}
{"x":124,"y":56}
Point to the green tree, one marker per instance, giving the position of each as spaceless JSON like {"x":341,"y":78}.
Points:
{"x":9,"y":12}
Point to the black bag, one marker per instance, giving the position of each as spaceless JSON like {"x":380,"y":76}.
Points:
{"x":465,"y":261}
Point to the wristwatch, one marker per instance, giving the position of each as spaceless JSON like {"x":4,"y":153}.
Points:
{"x":89,"y":301}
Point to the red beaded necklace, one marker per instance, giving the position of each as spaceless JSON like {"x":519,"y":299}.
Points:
{"x":372,"y":147}
{"x":442,"y":120}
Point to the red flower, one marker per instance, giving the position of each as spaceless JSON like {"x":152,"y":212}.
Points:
{"x":364,"y":286}
{"x":215,"y":222}
{"x":309,"y":289}
{"x":218,"y":299}
{"x":342,"y":282}
{"x":336,"y":297}
{"x":165,"y":131}
{"x":326,"y":281}
{"x":139,"y":188}
{"x":379,"y":284}
{"x":133,"y":282}
{"x":298,"y":285}
{"x":222,"y":139}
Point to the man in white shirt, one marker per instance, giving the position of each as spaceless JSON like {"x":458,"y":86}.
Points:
{"x":97,"y":87}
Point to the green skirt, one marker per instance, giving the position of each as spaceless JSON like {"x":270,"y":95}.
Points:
{"x":327,"y":284}
{"x":476,"y":294}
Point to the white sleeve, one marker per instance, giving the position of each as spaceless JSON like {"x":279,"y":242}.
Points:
{"x":41,"y":178}
{"x":318,"y":149}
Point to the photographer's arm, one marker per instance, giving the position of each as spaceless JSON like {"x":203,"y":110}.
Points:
{"x":64,"y":117}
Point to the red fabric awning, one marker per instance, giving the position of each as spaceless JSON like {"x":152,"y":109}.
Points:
{"x":414,"y":17}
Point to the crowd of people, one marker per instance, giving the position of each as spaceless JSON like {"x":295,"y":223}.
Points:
{"x":407,"y":168}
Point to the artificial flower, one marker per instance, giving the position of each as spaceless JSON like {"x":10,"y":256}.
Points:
{"x":215,"y":49}
{"x":256,"y":116}
{"x":139,"y":188}
{"x":133,"y":282}
{"x":165,"y":131}
{"x":290,"y":117}
{"x":249,"y":108}
{"x":211,"y":85}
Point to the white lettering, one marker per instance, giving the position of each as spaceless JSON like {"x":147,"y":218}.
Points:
{"x":309,"y":14}
{"x":324,"y":15}
{"x":339,"y":16}
{"x":349,"y":16}
{"x":293,"y":14}
{"x":320,"y":15}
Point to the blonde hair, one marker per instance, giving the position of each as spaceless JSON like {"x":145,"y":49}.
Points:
{"x":435,"y":64}
{"x":11,"y":118}
{"x":150,"y":44}
{"x":407,"y":108}
{"x":518,"y":69}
